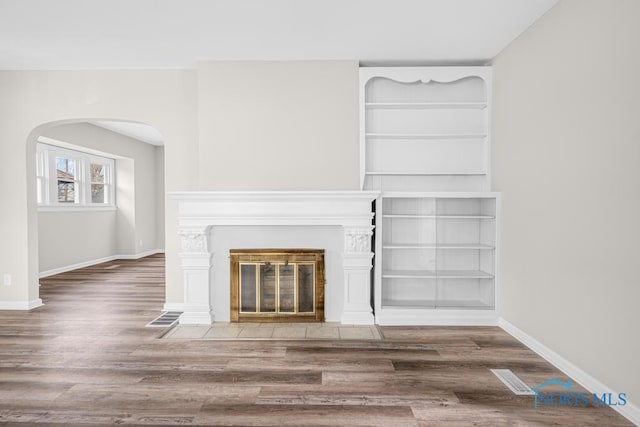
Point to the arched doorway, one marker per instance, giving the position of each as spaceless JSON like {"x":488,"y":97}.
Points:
{"x":99,"y":190}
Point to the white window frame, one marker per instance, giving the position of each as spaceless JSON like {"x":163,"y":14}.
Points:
{"x":47,"y":179}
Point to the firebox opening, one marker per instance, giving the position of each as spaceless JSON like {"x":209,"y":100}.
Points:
{"x":277,"y":285}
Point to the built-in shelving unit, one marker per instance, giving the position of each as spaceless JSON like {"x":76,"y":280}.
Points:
{"x":436,"y":258}
{"x":425,"y":144}
{"x":427,"y":122}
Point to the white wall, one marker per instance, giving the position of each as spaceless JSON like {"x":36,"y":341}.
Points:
{"x":566,"y":155}
{"x":137,"y":188}
{"x":126,"y":200}
{"x":278,"y":125}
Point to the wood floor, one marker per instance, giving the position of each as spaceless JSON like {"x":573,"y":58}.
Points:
{"x":86,"y":358}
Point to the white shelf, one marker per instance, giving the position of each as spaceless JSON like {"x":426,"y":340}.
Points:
{"x":450,"y":304}
{"x":426,"y":105}
{"x":436,"y":216}
{"x":418,"y":303}
{"x":463,"y":304}
{"x":399,"y":173}
{"x":438,"y":274}
{"x":464,"y":216}
{"x":401,"y":136}
{"x":448,"y":246}
{"x":409,"y":274}
{"x":408,"y":216}
{"x":464,"y":274}
{"x":409,"y":246}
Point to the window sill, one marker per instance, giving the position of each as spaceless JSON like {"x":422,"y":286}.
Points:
{"x":46,"y":208}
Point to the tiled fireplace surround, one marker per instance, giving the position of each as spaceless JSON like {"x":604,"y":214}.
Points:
{"x":212,"y":222}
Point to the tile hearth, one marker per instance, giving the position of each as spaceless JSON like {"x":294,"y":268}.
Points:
{"x":274,"y":331}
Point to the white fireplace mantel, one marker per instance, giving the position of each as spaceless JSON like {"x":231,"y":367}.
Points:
{"x":198,"y":211}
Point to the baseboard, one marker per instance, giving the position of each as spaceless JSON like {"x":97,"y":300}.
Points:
{"x":20,"y":305}
{"x":173,"y":306}
{"x":141,"y":254}
{"x":83,"y":264}
{"x":357,"y":318}
{"x":629,"y":411}
{"x":91,"y":262}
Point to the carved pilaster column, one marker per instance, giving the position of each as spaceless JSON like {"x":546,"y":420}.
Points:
{"x":195,"y":260}
{"x":356,"y":261}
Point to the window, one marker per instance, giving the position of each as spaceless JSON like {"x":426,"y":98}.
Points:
{"x":98,"y":184}
{"x":72,"y":178}
{"x":66,"y":180}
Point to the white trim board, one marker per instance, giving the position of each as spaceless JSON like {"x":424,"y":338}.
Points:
{"x":440,"y":317}
{"x":91,"y":262}
{"x":140,"y":255}
{"x":629,"y":411}
{"x":66,"y":268}
{"x":21,"y":305}
{"x":173,"y":306}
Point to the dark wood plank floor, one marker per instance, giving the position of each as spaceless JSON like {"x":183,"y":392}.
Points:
{"x":86,"y":358}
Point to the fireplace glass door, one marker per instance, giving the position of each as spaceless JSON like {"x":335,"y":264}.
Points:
{"x":277,"y":285}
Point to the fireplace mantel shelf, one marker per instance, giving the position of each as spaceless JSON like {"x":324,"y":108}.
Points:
{"x":271,"y":195}
{"x":346,"y":208}
{"x":199,"y":211}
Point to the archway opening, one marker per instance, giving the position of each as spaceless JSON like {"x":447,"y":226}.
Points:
{"x":98,"y":191}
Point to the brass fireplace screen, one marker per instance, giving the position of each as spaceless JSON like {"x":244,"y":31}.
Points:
{"x":277,"y":285}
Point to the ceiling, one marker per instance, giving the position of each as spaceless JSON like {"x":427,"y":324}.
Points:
{"x":139,"y":131}
{"x":87,"y":34}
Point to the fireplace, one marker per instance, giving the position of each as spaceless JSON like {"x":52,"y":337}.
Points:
{"x":212,"y":223}
{"x":277,"y":285}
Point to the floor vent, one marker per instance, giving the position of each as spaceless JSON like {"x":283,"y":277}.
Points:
{"x":165,"y":320}
{"x":111,"y":267}
{"x":515,"y":384}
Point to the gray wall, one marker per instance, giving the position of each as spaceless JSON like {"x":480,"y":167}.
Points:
{"x":566,"y":153}
{"x":73,"y":237}
{"x":278,"y":125}
{"x":89,"y":236}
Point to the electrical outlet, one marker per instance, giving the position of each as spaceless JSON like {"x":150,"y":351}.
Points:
{"x":7,"y":279}
{"x":140,"y":242}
